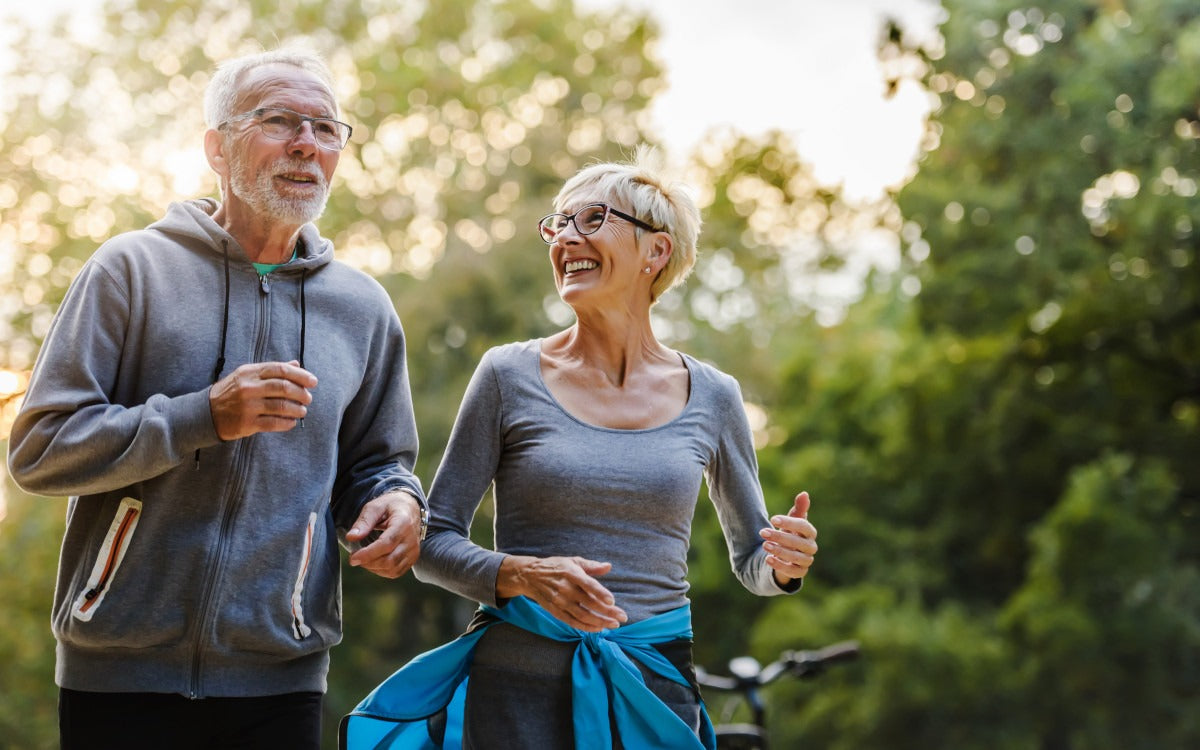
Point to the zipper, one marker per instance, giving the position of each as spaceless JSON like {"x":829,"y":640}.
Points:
{"x":299,"y":628}
{"x":208,"y":614}
{"x":240,"y":463}
{"x":112,"y":552}
{"x":110,"y":563}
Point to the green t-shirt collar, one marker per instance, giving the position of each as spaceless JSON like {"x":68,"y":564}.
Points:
{"x":266,"y":268}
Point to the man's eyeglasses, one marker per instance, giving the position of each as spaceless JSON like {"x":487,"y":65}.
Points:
{"x":587,"y":220}
{"x":284,"y":125}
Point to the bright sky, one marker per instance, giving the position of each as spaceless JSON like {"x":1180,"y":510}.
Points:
{"x":805,"y":67}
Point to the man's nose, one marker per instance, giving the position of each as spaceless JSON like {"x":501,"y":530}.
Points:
{"x":304,"y":140}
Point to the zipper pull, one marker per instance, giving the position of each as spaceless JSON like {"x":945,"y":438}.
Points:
{"x":265,"y":282}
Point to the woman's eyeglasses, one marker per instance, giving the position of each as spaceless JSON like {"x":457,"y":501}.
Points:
{"x":587,"y":220}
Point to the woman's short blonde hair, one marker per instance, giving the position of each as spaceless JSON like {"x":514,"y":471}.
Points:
{"x":642,"y":187}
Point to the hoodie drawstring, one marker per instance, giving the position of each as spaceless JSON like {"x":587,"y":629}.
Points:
{"x":303,"y":314}
{"x":220,"y":365}
{"x":224,"y":319}
{"x":303,"y":323}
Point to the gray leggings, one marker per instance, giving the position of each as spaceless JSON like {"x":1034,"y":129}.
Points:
{"x":519,"y":695}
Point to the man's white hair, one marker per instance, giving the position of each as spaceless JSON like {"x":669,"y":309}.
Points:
{"x":223,"y":90}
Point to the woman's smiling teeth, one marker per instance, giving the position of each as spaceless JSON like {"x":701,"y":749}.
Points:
{"x":580,"y":265}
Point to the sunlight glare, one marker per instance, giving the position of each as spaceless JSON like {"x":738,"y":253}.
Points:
{"x":121,"y":178}
{"x":188,"y":170}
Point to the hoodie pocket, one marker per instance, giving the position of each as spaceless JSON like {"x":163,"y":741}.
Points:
{"x":299,"y":629}
{"x":108,"y":560}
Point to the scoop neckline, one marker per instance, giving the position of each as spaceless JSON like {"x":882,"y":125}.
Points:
{"x":537,"y":365}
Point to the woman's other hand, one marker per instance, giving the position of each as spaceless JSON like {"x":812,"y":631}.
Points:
{"x":566,"y":587}
{"x":791,"y":543}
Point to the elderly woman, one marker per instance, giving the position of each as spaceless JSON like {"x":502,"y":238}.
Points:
{"x":596,"y":439}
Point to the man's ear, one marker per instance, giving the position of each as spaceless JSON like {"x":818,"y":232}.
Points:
{"x":214,"y":150}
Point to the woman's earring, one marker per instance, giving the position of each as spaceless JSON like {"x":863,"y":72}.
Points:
{"x":646,"y":269}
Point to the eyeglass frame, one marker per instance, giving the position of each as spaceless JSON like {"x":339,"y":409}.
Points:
{"x":570,"y":219}
{"x":301,"y":120}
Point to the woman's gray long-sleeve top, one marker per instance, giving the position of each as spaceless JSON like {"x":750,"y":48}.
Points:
{"x":564,"y":487}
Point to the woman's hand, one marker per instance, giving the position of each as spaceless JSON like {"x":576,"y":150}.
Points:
{"x":566,"y":587}
{"x":792,"y":543}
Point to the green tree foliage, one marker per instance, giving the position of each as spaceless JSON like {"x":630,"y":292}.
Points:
{"x":1111,"y":611}
{"x":1007,"y":434}
{"x":30,"y":531}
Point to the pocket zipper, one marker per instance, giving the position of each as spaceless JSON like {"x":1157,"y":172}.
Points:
{"x":299,"y":629}
{"x":112,"y":552}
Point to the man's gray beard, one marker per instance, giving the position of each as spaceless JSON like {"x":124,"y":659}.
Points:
{"x":258,"y":192}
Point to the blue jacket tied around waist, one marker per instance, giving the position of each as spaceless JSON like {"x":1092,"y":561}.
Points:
{"x":394,"y":715}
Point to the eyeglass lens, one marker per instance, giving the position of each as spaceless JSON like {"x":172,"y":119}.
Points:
{"x":587,"y":220}
{"x":282,"y":125}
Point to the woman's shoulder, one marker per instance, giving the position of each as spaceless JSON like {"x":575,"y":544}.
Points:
{"x":513,"y":357}
{"x":712,"y":385}
{"x":510,"y":352}
{"x":709,"y":374}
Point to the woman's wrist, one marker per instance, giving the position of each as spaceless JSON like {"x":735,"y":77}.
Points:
{"x":510,"y":580}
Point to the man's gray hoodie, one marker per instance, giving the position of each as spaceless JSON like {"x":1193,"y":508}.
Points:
{"x":192,"y":565}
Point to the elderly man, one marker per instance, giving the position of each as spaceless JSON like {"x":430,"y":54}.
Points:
{"x":221,"y":399}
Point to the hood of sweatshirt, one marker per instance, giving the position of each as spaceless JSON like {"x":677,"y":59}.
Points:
{"x":191,"y":223}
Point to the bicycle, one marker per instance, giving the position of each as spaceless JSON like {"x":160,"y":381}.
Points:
{"x":748,"y":677}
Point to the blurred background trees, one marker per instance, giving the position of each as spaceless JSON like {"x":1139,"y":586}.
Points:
{"x":999,"y":434}
{"x":1009,"y":427}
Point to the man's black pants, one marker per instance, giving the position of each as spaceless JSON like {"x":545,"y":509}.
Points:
{"x":145,"y":721}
